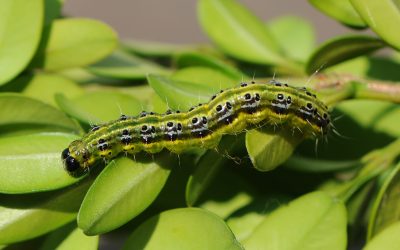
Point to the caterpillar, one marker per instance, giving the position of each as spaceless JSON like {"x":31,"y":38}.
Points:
{"x":229,"y":112}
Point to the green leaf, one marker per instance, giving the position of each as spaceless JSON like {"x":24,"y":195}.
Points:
{"x":18,"y":111}
{"x":388,"y":239}
{"x":382,"y":17}
{"x":70,"y":237}
{"x":208,"y":166}
{"x":122,"y":191}
{"x":190,"y":58}
{"x":153,"y":49}
{"x":238,"y":32}
{"x":100,"y":106}
{"x":268,"y":149}
{"x":20,"y":31}
{"x":386,"y":207}
{"x":75,"y":42}
{"x":301,"y":163}
{"x":341,"y":10}
{"x":27,"y":216}
{"x":340,"y":49}
{"x":43,"y":87}
{"x":122,"y":65}
{"x":34,"y":166}
{"x":295,"y":35}
{"x":183,"y":228}
{"x":184,"y":94}
{"x":313,"y":221}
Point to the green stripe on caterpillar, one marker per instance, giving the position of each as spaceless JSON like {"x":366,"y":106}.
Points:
{"x":229,"y":112}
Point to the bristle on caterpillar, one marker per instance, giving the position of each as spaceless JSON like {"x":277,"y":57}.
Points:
{"x":229,"y":112}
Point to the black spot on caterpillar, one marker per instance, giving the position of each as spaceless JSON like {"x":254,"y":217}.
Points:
{"x":229,"y":112}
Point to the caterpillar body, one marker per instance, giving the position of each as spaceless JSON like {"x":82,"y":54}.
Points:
{"x":229,"y":112}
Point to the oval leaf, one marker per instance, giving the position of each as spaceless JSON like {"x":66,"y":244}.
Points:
{"x":184,"y":94}
{"x":100,"y":106}
{"x":70,"y":237}
{"x":75,"y":42}
{"x":18,"y":110}
{"x":122,"y":191}
{"x":122,"y":65}
{"x":34,"y":166}
{"x":295,"y":35}
{"x":238,"y":32}
{"x":189,"y":59}
{"x":341,"y":49}
{"x":20,"y":30}
{"x":44,"y":87}
{"x":183,"y":228}
{"x":153,"y":49}
{"x":27,"y":216}
{"x":388,"y":239}
{"x":341,"y":10}
{"x":268,"y":149}
{"x":385,"y":210}
{"x":382,"y":17}
{"x":318,"y":220}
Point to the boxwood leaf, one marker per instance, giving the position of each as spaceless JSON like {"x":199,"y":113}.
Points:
{"x":268,"y":149}
{"x":180,"y":94}
{"x":191,"y":58}
{"x":386,"y":205}
{"x":340,"y":49}
{"x":318,"y":220}
{"x":99,"y":106}
{"x":122,"y":65}
{"x":382,"y":17}
{"x":44,"y":87}
{"x":20,"y":30}
{"x":70,"y":237}
{"x":295,"y":35}
{"x":153,"y":49}
{"x":209,"y":165}
{"x":388,"y":239}
{"x":75,"y":42}
{"x":18,"y":110}
{"x":341,"y":10}
{"x":122,"y":191}
{"x":238,"y":32}
{"x":183,"y":228}
{"x":27,"y":216}
{"x":33,"y":166}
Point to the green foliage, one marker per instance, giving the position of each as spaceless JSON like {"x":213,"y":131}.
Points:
{"x":262,"y":189}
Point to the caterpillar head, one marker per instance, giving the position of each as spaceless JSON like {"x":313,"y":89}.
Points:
{"x":75,"y":158}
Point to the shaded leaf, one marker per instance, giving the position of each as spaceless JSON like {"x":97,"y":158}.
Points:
{"x":184,"y":94}
{"x":74,"y":42}
{"x":52,"y":10}
{"x":183,"y":228}
{"x":18,"y":110}
{"x":341,"y":10}
{"x":70,"y":237}
{"x":190,"y":58}
{"x":319,"y":222}
{"x":268,"y":149}
{"x":34,"y":166}
{"x":27,"y":216}
{"x":153,"y":49}
{"x":301,"y":163}
{"x":20,"y":31}
{"x":340,"y":49}
{"x":122,"y":191}
{"x":122,"y":65}
{"x":386,"y":207}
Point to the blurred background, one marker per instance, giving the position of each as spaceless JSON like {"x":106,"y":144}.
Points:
{"x":175,"y":21}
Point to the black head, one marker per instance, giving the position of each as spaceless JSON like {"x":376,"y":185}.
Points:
{"x":70,"y":163}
